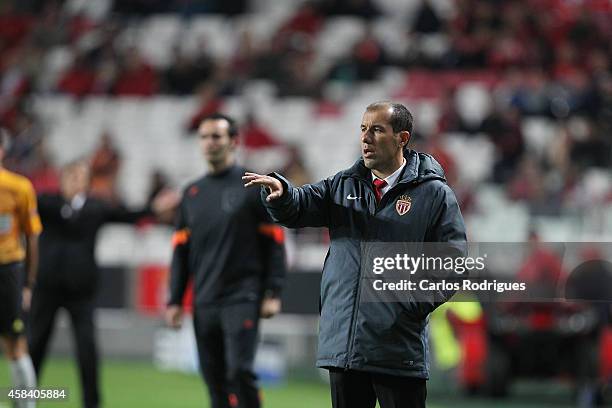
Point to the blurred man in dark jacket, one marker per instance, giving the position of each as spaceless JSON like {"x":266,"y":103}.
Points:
{"x":68,"y":274}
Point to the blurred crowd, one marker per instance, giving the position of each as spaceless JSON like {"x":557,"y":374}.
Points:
{"x":538,"y":58}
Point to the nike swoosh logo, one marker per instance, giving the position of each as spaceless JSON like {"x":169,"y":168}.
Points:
{"x":352,"y":197}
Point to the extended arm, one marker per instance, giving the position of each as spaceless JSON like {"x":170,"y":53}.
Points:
{"x":293,"y":207}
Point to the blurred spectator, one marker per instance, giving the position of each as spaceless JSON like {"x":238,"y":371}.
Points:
{"x":508,"y":50}
{"x":268,"y":62}
{"x":79,"y":80}
{"x":208,"y":103}
{"x":262,"y":151}
{"x":105,"y":163}
{"x":254,"y":135}
{"x":470,"y":33}
{"x":542,"y":269}
{"x":526,"y":183}
{"x":14,"y":25}
{"x":26,"y":154}
{"x":360,"y":8}
{"x":141,"y":7}
{"x":242,"y":62}
{"x":289,"y":61}
{"x":14,"y":82}
{"x":189,"y":7}
{"x":307,"y":19}
{"x":364,"y":63}
{"x":136,"y":76}
{"x":531,"y":94}
{"x":529,"y":183}
{"x":566,"y":64}
{"x":231,"y":8}
{"x":296,"y":74}
{"x":52,"y":27}
{"x":450,"y":120}
{"x":426,"y":20}
{"x":503,"y":127}
{"x":296,"y":170}
{"x":45,"y":177}
{"x":590,"y":148}
{"x":603,"y":104}
{"x":186,"y":73}
{"x":435,"y":147}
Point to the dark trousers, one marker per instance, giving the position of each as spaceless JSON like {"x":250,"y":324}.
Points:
{"x":227,"y":338}
{"x":360,"y":389}
{"x":45,"y":305}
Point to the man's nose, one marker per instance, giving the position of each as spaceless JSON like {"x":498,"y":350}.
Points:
{"x":366,"y":136}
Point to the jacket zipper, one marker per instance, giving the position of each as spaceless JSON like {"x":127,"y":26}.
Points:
{"x":377,"y":208}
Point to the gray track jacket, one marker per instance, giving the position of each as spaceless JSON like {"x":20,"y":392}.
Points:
{"x":383,"y":337}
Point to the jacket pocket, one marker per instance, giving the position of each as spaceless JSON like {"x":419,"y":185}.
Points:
{"x":393,"y":343}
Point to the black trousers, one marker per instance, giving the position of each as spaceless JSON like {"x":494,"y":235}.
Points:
{"x":360,"y":389}
{"x":227,"y":338}
{"x":45,"y":304}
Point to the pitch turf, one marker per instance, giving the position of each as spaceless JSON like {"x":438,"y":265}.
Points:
{"x":137,"y":384}
{"x":129,"y":384}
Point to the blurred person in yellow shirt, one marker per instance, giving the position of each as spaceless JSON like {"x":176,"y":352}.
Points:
{"x":19,"y":229}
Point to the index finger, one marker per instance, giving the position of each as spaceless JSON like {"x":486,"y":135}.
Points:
{"x":257,"y":180}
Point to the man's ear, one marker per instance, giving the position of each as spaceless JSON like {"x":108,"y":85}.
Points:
{"x":404,"y":137}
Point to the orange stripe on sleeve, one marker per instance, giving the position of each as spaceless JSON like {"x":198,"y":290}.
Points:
{"x":273,"y":231}
{"x":180,"y":237}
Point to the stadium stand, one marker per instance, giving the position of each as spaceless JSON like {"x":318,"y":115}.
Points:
{"x":517,"y":108}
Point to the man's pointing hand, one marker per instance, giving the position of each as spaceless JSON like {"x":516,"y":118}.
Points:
{"x":273,"y":186}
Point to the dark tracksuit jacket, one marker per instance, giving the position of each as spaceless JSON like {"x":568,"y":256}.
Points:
{"x":225,"y":239}
{"x":389,"y":338}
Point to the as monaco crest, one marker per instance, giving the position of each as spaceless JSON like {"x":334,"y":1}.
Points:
{"x":402,"y":206}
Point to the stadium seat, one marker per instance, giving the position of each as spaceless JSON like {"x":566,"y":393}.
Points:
{"x":157,"y":38}
{"x":433,"y":45}
{"x":539,"y":134}
{"x":479,"y":152}
{"x":403,"y":10}
{"x":557,"y":229}
{"x":428,"y":113}
{"x":338,"y":36}
{"x":391,"y":32}
{"x":473,"y":102}
{"x":262,"y":26}
{"x":284,"y":7}
{"x":57,"y":60}
{"x":512,"y":219}
{"x":213,"y":33}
